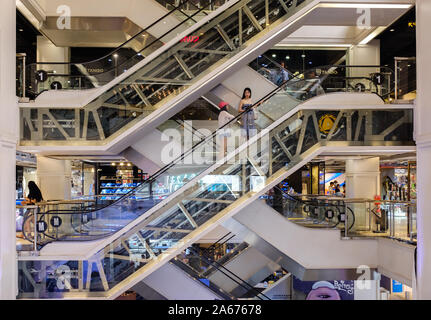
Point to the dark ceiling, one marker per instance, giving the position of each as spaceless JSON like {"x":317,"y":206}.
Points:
{"x":397,"y":40}
{"x":26,"y":37}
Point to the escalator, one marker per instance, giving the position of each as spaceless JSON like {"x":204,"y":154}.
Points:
{"x":152,"y":88}
{"x":333,"y":253}
{"x":161,"y":228}
{"x":94,"y":224}
{"x":95,"y":73}
{"x":223,"y":276}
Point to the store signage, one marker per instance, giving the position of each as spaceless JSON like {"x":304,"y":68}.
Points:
{"x":56,"y":221}
{"x":378,"y":79}
{"x":191,"y":39}
{"x":41,"y":226}
{"x":95,"y":70}
{"x":84,"y":218}
{"x":326,"y":122}
{"x":329,"y":213}
{"x":41,"y":76}
{"x":397,"y":286}
{"x":56,"y":85}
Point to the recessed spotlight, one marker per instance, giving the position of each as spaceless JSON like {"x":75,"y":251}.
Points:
{"x":303,"y":55}
{"x":287,"y":57}
{"x":20,"y":30}
{"x":274,"y":55}
{"x":392,"y":30}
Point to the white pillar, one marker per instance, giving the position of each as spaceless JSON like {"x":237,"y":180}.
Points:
{"x":49,"y":52}
{"x":423,"y":141}
{"x":54,"y":178}
{"x":363,"y":178}
{"x":363,"y":55}
{"x":8,"y":140}
{"x":362,"y":181}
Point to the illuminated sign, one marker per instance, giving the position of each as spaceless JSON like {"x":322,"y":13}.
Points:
{"x":190,"y":39}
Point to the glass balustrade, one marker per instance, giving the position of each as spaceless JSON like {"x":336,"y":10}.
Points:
{"x":354,"y":217}
{"x":43,"y":76}
{"x":159,"y":80}
{"x":235,"y":180}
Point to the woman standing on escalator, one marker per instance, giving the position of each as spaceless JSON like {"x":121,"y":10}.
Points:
{"x":248,"y":127}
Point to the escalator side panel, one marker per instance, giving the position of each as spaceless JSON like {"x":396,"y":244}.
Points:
{"x":324,"y":247}
{"x":250,"y":265}
{"x":175,"y":284}
{"x":146,"y":292}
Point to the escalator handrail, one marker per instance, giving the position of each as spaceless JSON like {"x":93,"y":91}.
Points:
{"x":154,"y":176}
{"x":131,"y":39}
{"x":223,"y":269}
{"x":186,"y":153}
{"x":118,"y":48}
{"x":191,"y":272}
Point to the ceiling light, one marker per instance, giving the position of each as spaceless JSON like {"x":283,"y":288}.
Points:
{"x":274,"y":55}
{"x":287,"y":57}
{"x":392,"y":30}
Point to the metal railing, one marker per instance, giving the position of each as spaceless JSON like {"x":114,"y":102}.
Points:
{"x":358,"y":217}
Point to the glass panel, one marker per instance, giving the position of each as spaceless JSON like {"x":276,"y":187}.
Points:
{"x":172,"y":72}
{"x":56,"y":76}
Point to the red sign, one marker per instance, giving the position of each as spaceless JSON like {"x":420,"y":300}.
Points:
{"x":190,"y":39}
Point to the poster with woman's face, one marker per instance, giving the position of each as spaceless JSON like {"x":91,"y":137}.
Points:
{"x":324,"y":290}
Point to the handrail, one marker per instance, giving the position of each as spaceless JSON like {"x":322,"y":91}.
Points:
{"x":131,"y":39}
{"x":224,"y":271}
{"x":134,"y":37}
{"x":211,"y":137}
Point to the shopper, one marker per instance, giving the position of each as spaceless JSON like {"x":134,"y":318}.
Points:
{"x":248,"y":116}
{"x":337,"y":190}
{"x":312,"y":85}
{"x":224,"y":132}
{"x":331,"y":188}
{"x":284,"y":74}
{"x":34,"y":196}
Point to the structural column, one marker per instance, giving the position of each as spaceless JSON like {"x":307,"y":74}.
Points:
{"x":362,"y":181}
{"x":423,"y":141}
{"x":49,"y":52}
{"x":54,"y":178}
{"x":8,"y":140}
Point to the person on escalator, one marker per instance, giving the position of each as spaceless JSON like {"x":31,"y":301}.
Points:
{"x":313,"y":86}
{"x":34,"y":196}
{"x":284,"y":75}
{"x":248,"y":116}
{"x":224,"y":131}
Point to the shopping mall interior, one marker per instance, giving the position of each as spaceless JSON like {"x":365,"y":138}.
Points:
{"x":215,"y":150}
